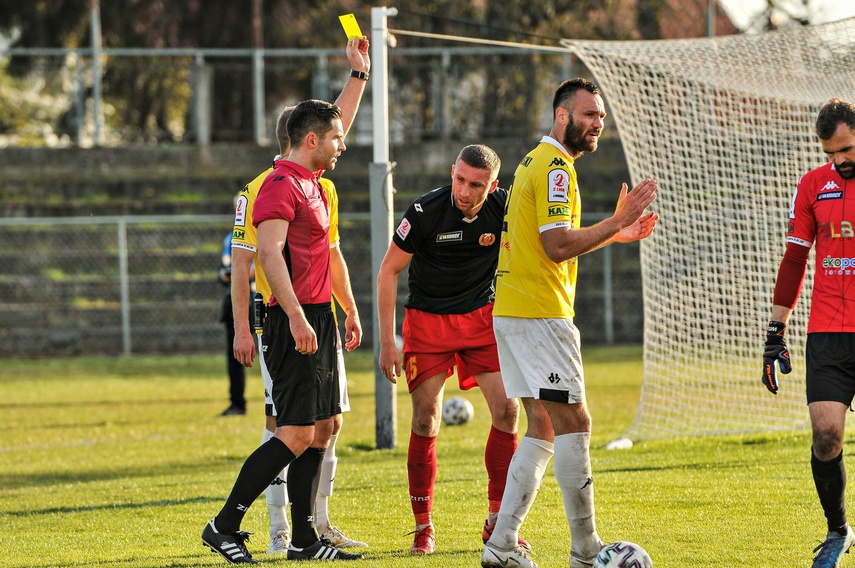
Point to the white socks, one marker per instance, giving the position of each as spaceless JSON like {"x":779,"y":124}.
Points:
{"x":524,"y":475}
{"x":325,"y":487}
{"x":573,"y":473}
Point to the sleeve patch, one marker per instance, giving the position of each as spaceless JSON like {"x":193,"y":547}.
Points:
{"x":558,"y":186}
{"x":404,"y":229}
{"x":240,"y":211}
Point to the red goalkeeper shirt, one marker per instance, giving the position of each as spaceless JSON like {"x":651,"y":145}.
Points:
{"x":293,"y":193}
{"x":823,"y":212}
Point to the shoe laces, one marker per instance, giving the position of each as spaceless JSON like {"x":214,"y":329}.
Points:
{"x":828,"y":549}
{"x":241,"y":538}
{"x":335,"y":531}
{"x":423,"y":535}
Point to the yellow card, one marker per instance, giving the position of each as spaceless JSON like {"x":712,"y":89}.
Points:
{"x":351,"y":27}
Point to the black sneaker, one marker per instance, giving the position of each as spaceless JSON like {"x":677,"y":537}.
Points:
{"x":229,"y":546}
{"x":321,"y":550}
{"x":234,"y":411}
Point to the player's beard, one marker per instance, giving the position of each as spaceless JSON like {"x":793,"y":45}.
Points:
{"x":576,"y":141}
{"x":848,"y":172}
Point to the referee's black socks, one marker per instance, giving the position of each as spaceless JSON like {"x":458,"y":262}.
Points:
{"x":259,"y":469}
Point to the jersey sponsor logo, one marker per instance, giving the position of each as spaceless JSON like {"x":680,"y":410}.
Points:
{"x":558,"y":189}
{"x":447,"y":237}
{"x":829,"y":186}
{"x":486,"y":239}
{"x":558,"y":162}
{"x":841,"y":230}
{"x":238,"y":234}
{"x":830,"y":195}
{"x":558,"y":211}
{"x":404,"y":229}
{"x":418,"y":207}
{"x":240,"y":211}
{"x":526,"y":161}
{"x":838,"y":266}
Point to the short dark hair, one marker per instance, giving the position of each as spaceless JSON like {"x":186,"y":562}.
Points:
{"x":481,"y":157}
{"x":311,"y":116}
{"x":282,"y":130}
{"x":567,"y":91}
{"x":832,"y":114}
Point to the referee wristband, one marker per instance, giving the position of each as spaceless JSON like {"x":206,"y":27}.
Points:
{"x":359,"y":74}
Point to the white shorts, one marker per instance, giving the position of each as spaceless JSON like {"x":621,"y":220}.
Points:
{"x":270,"y":408}
{"x":540,"y":358}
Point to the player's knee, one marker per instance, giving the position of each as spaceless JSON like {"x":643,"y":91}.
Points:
{"x":827,"y":444}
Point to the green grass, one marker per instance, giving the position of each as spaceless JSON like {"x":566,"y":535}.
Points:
{"x":119,"y":462}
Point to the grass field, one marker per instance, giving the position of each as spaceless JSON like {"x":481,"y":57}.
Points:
{"x":119,"y":462}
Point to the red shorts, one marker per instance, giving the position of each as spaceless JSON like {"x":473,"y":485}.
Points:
{"x":434,"y":343}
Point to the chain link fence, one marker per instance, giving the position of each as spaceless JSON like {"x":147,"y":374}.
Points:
{"x":148,"y":284}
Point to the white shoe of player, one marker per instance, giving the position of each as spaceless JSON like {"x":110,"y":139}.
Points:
{"x":339,"y":540}
{"x":514,"y":558}
{"x":279,"y":542}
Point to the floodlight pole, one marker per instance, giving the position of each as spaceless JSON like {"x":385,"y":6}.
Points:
{"x":382,"y":211}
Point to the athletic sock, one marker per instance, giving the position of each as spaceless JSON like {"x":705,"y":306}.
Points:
{"x":257,"y":472}
{"x":303,"y":475}
{"x":497,"y":457}
{"x":830,"y":480}
{"x":325,"y":486}
{"x":276,"y":496}
{"x":573,"y":473}
{"x":523,"y":482}
{"x":421,"y":473}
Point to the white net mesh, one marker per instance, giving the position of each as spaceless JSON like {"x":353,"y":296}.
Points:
{"x":726,"y":127}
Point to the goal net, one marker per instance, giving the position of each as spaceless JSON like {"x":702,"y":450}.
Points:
{"x":726,"y":127}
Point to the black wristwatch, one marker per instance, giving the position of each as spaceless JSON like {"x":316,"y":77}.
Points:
{"x":359,"y":74}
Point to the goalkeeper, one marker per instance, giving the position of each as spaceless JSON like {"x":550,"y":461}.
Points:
{"x":823,"y":213}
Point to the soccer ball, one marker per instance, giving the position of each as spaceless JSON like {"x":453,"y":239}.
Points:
{"x":623,"y":555}
{"x":457,"y":410}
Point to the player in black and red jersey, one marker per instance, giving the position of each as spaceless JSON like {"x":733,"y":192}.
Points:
{"x":823,"y":213}
{"x":449,"y":237}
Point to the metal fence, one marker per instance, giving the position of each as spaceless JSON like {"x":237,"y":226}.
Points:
{"x":123,"y":285}
{"x":200,"y":95}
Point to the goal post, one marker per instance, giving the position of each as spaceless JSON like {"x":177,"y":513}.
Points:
{"x":725,"y":125}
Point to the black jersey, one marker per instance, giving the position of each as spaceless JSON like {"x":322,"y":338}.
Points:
{"x":453,"y":268}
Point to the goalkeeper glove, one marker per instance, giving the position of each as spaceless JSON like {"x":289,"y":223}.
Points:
{"x":776,"y":351}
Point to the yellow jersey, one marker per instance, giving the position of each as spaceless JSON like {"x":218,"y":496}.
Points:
{"x":544,"y":195}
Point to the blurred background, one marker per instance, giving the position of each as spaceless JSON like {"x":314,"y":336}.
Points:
{"x":127,"y":128}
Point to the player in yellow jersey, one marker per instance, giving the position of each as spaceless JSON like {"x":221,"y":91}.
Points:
{"x":247,"y":345}
{"x":533,"y":320}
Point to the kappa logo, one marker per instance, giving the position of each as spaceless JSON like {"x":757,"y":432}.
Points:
{"x":829,"y":186}
{"x":558,"y":162}
{"x":554,"y":378}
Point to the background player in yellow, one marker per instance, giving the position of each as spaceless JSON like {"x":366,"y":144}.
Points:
{"x":244,"y":253}
{"x":538,"y":344}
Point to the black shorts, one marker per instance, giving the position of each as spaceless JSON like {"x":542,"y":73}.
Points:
{"x":830,"y":367}
{"x":305,"y":387}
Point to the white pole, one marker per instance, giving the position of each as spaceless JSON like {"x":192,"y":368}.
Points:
{"x":380,"y":187}
{"x":95,"y":32}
